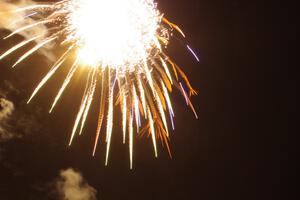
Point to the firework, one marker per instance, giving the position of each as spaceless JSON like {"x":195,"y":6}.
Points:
{"x":122,"y":44}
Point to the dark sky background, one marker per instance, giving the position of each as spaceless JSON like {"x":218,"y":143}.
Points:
{"x":230,"y":152}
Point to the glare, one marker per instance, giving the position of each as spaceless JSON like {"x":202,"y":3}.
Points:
{"x":115,"y":33}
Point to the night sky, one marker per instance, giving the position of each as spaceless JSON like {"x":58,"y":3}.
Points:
{"x":230,"y":152}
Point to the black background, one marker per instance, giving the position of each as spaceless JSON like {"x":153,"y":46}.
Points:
{"x":233,"y":151}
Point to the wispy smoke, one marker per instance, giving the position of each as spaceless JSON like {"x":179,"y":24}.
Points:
{"x":6,"y":109}
{"x":72,"y":186}
{"x":15,"y":123}
{"x":11,"y":20}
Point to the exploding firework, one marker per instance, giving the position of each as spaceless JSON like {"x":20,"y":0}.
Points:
{"x":122,"y":44}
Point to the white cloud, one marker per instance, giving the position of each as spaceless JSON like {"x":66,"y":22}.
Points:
{"x":72,"y":186}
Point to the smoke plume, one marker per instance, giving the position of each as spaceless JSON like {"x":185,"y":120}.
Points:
{"x":72,"y":186}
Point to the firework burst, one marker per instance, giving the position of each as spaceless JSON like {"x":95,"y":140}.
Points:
{"x":121,"y":43}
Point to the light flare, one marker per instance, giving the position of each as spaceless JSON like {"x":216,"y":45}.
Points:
{"x":114,"y":33}
{"x":122,"y":45}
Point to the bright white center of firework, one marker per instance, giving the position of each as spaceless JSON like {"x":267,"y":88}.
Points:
{"x":114,"y":33}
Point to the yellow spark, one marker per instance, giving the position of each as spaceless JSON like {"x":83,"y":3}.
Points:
{"x":164,"y":64}
{"x":136,"y":108}
{"x":162,"y":112}
{"x":16,"y":47}
{"x":142,"y":94}
{"x":152,"y":130}
{"x":31,"y":51}
{"x":167,"y":97}
{"x":109,"y":119}
{"x":79,"y":116}
{"x":27,"y":27}
{"x":90,"y":100}
{"x":55,"y":67}
{"x":65,"y":84}
{"x":124,"y":112}
{"x":130,"y":139}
